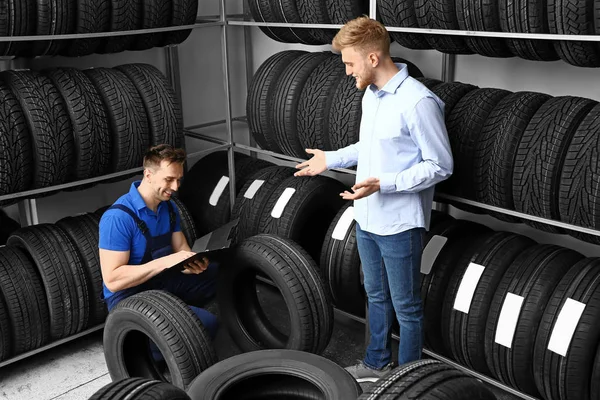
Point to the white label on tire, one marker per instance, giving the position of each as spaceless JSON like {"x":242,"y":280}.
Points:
{"x":282,"y":202}
{"x":565,"y":326}
{"x":431,"y":252}
{"x":343,"y":224}
{"x":466,"y":290}
{"x":507,"y":322}
{"x":218,"y":191}
{"x":253,"y":188}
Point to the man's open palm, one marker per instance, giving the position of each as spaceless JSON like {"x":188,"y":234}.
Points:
{"x":314,"y":166}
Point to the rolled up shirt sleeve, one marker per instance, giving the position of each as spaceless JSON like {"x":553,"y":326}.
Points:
{"x":428,"y":131}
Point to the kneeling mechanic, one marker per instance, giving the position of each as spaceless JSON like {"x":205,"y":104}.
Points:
{"x":140,"y":236}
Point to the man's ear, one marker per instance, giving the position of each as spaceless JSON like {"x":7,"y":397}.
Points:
{"x":147,"y":173}
{"x":373,"y":59}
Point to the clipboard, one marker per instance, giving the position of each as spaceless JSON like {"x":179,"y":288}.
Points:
{"x":215,"y":246}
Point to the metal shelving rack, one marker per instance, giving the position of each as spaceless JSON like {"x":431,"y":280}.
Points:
{"x":28,"y":205}
{"x":448,"y":73}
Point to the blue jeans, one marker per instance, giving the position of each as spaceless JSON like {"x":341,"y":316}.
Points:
{"x":391,"y":267}
{"x":194,"y":290}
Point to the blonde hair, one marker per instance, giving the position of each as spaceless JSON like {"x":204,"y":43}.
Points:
{"x":364,"y":34}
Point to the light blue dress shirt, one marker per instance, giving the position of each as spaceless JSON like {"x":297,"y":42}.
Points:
{"x":403,"y":141}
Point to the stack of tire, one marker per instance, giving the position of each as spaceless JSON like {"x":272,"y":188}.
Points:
{"x":552,"y":17}
{"x":523,"y":313}
{"x":292,"y":374}
{"x":63,"y":17}
{"x":524,"y":151}
{"x":63,"y":124}
{"x":307,"y":12}
{"x":299,"y":100}
{"x":50,"y":284}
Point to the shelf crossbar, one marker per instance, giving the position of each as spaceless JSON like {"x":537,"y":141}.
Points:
{"x":506,"y":35}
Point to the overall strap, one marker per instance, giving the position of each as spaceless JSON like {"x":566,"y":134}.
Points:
{"x":172,"y":216}
{"x":141,"y":224}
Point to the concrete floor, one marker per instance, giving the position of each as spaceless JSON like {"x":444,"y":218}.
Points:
{"x":76,"y":370}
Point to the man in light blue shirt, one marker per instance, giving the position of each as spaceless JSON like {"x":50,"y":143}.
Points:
{"x":402,"y":152}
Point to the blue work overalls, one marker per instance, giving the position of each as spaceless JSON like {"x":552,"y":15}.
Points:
{"x":194,"y":290}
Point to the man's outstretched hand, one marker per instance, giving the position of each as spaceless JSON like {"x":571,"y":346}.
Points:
{"x":362,"y":189}
{"x":314,"y":166}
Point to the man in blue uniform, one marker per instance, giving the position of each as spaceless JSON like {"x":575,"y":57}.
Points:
{"x":140,"y":236}
{"x":402,"y":152}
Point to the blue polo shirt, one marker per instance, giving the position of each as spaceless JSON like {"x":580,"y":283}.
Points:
{"x":119,"y":232}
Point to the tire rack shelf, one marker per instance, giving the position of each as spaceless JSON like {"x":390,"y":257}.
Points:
{"x":172,"y":59}
{"x":51,"y":345}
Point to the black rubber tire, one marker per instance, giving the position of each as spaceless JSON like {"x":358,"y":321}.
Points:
{"x":287,"y":11}
{"x":482,"y":15}
{"x":139,"y":389}
{"x":527,"y":16}
{"x":273,"y":374}
{"x":316,"y":99}
{"x":465,"y":123}
{"x":297,"y":278}
{"x":451,"y":93}
{"x":165,"y":117}
{"x":6,"y":13}
{"x":579,"y":192}
{"x":345,"y":114}
{"x":23,"y":296}
{"x":128,"y":123}
{"x":6,"y":345}
{"x":494,"y":162}
{"x":286,"y":98}
{"x":306,"y":217}
{"x":92,"y":16}
{"x":315,"y":12}
{"x":340,"y":268}
{"x":427,"y":379}
{"x":49,"y":125}
{"x":430,"y":83}
{"x":125,"y":15}
{"x":22,"y":23}
{"x":261,"y":12}
{"x":260,"y":97}
{"x":568,"y":378}
{"x":196,"y":192}
{"x":459,"y":234}
{"x":533,"y":275}
{"x":436,"y":14}
{"x":54,"y":17}
{"x":16,"y":158}
{"x":540,"y":156}
{"x":155,"y":14}
{"x":64,"y":278}
{"x":342,"y":11}
{"x":92,"y":141}
{"x":7,"y":226}
{"x":184,"y":13}
{"x":188,"y":227}
{"x":466,"y":332}
{"x":402,"y":14}
{"x":249,"y":209}
{"x":171,"y":324}
{"x":574,"y":17}
{"x":84,"y":236}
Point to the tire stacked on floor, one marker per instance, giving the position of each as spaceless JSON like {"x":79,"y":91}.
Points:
{"x":65,"y":124}
{"x":63,"y":17}
{"x":307,"y":12}
{"x":299,"y":100}
{"x":139,"y":389}
{"x":427,"y":379}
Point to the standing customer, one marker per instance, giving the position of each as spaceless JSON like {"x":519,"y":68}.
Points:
{"x":140,"y":237}
{"x":403,"y":150}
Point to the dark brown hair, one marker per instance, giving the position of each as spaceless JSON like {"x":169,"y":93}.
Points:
{"x":163,"y":152}
{"x":364,"y":34}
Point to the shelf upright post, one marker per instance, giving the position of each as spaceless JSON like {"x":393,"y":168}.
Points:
{"x":228,"y":120}
{"x":249,"y":65}
{"x":373,"y":9}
